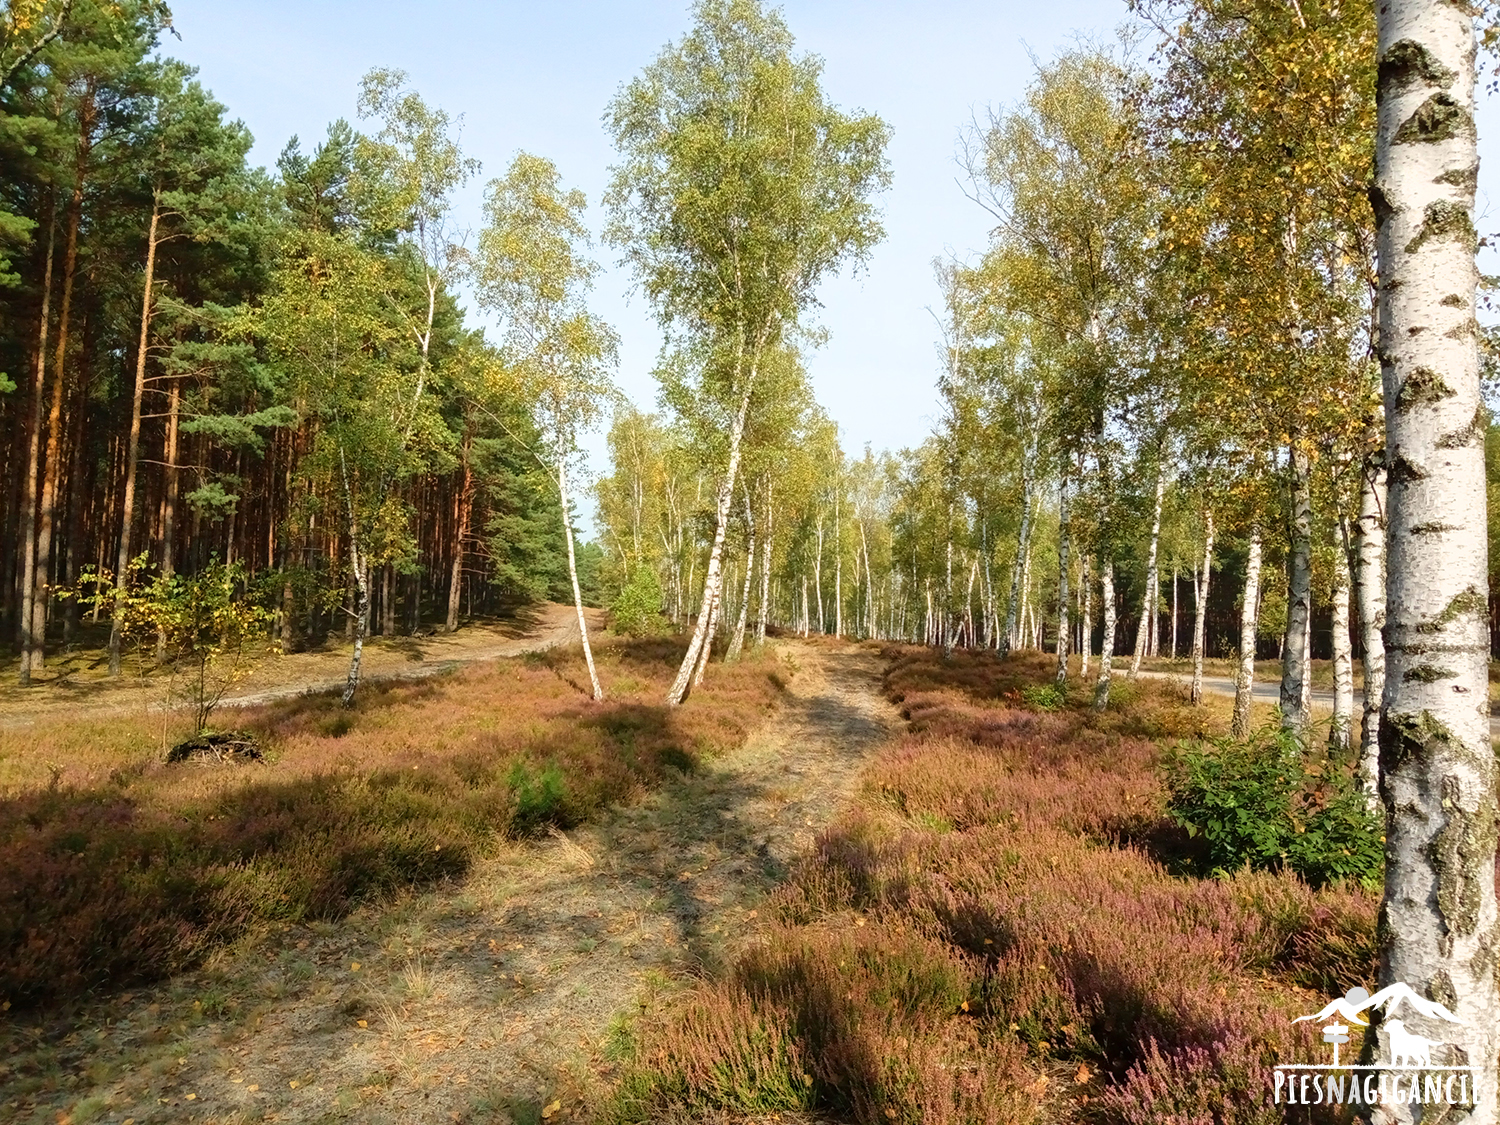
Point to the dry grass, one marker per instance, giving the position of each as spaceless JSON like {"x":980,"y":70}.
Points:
{"x":1000,"y":934}
{"x":115,"y":867}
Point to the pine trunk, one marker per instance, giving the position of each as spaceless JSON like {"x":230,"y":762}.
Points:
{"x":29,"y":642}
{"x":461,"y":536}
{"x":1438,"y":917}
{"x":133,"y":448}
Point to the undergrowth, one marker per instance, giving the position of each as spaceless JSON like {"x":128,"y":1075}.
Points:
{"x":1011,"y":930}
{"x":122,"y":868}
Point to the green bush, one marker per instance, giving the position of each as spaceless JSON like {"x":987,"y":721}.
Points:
{"x":1261,"y":804}
{"x":1045,"y":697}
{"x":539,"y":795}
{"x":636,"y":612}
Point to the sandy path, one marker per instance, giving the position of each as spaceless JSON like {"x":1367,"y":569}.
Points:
{"x":488,"y":1000}
{"x":280,"y":677}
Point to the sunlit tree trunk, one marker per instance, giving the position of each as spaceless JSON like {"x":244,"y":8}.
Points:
{"x":461,"y":534}
{"x":1148,"y":603}
{"x":765,"y":573}
{"x":1369,"y":588}
{"x":1200,"y":615}
{"x":1294,"y":651}
{"x":713,"y":579}
{"x":737,"y":641}
{"x":838,"y":561}
{"x":29,"y":643}
{"x":1244,"y":683}
{"x":818,"y":575}
{"x":583,"y":625}
{"x":133,"y":446}
{"x":1063,"y":636}
{"x":1438,"y":918}
{"x":1107,"y":647}
{"x":1007,"y":638}
{"x":1086,"y":633}
{"x":1343,"y":653}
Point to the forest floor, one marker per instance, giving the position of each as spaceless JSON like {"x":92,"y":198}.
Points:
{"x":80,"y":681}
{"x":493,"y":998}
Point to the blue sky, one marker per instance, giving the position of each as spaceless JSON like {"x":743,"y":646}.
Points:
{"x":537,"y":76}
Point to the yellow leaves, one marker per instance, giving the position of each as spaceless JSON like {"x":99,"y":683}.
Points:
{"x":354,"y":966}
{"x":549,"y":1111}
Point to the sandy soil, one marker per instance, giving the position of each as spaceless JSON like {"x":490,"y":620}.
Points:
{"x":492,"y":1000}
{"x":80,"y":681}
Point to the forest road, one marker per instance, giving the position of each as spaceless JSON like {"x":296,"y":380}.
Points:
{"x":1270,"y":692}
{"x":500,"y":995}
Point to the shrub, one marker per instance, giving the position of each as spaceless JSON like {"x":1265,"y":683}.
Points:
{"x":636,"y":612}
{"x":1045,"y":697}
{"x":1259,"y":804}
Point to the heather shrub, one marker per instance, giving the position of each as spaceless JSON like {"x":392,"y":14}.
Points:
{"x":121,"y":868}
{"x":1259,"y":804}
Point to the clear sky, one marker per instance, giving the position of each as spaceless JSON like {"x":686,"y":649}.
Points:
{"x":537,"y":76}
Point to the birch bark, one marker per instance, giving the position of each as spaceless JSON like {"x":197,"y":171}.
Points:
{"x":1200,"y":616}
{"x":1107,"y":646}
{"x":1062,"y":586}
{"x":1369,"y":540}
{"x":1343,"y":651}
{"x":1438,"y":917}
{"x":1148,"y":603}
{"x":1294,"y":649}
{"x":1244,"y":683}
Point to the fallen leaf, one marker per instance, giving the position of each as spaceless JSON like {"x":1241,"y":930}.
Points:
{"x":354,"y":966}
{"x":964,"y":1007}
{"x":253,"y":1087}
{"x":4,"y":1005}
{"x":364,"y":1023}
{"x":859,"y":921}
{"x":236,"y":1080}
{"x":192,"y":1097}
{"x":294,"y":1083}
{"x":752,"y":914}
{"x":1083,"y":1074}
{"x":550,"y":1109}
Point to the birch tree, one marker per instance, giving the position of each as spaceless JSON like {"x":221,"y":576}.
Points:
{"x":1438,"y":917}
{"x":739,"y":188}
{"x":531,"y":269}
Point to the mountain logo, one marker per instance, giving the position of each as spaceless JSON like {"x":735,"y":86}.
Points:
{"x":1413,"y":1074}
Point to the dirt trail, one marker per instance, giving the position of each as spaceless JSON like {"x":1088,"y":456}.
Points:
{"x":79,"y":685}
{"x":489,"y":1000}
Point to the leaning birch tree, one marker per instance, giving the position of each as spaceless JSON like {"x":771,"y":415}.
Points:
{"x":739,"y":188}
{"x":532,"y":270}
{"x":1438,"y":918}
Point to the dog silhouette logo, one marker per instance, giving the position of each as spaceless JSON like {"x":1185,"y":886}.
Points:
{"x":1419,"y":1070}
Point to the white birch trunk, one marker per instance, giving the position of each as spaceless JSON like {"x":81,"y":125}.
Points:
{"x":737,"y":641}
{"x":1244,"y":683}
{"x":1148,"y":603}
{"x":713,"y":579}
{"x":1086,"y":634}
{"x":1294,"y":648}
{"x":1369,"y":540}
{"x":583,"y":625}
{"x":1062,"y":586}
{"x":765,"y":573}
{"x":1343,"y":651}
{"x":1200,"y":617}
{"x":1438,"y":918}
{"x":1107,"y":646}
{"x":1007,"y":639}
